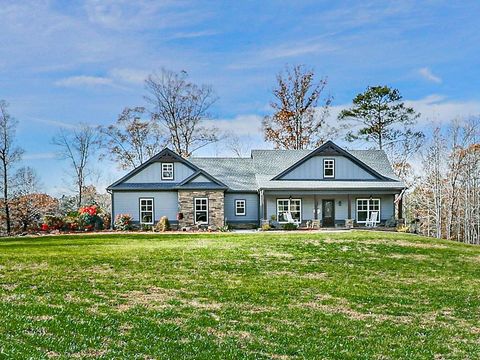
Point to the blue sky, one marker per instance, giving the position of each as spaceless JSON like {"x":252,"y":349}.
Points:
{"x":65,"y":62}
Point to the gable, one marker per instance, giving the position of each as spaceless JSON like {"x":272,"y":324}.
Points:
{"x":150,"y":172}
{"x":201,"y":180}
{"x":312,"y":169}
{"x":153,"y":173}
{"x":347,"y":166}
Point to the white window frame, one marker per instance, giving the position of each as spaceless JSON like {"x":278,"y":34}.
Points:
{"x":241,"y":201}
{"x":195,"y":210}
{"x":289,"y":210}
{"x":172,"y":170}
{"x":332,"y":162}
{"x":369,"y":209}
{"x":141,"y":212}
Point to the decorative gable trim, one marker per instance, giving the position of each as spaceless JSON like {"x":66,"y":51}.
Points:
{"x":332,"y":149}
{"x":198,"y":173}
{"x":166,"y":155}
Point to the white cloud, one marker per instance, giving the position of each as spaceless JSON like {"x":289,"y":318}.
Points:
{"x":133,"y":76}
{"x":241,"y":125}
{"x":83,"y":80}
{"x":427,"y":74}
{"x":439,"y":110}
{"x":193,"y":34}
{"x":54,"y":123}
{"x":39,"y":156}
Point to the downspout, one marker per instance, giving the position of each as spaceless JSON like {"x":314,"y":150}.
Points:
{"x":112,"y":212}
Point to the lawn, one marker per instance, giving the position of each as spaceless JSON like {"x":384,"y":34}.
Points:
{"x":368,"y":295}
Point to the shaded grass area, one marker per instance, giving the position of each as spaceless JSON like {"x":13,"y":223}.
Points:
{"x":370,"y":295}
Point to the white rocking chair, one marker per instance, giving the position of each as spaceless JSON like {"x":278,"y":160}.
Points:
{"x":372,"y":221}
{"x":289,"y":217}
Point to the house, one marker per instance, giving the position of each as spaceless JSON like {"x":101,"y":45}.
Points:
{"x":328,"y":184}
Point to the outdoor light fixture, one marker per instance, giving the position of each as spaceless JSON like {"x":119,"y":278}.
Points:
{"x":340,"y":203}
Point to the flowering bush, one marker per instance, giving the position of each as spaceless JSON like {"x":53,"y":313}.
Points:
{"x":53,"y":222}
{"x":88,"y":219}
{"x":123,"y":222}
{"x":90,"y":210}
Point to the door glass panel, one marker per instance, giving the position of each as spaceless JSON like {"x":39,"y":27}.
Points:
{"x":328,"y":209}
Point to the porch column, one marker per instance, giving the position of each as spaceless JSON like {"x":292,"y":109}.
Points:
{"x":315,"y":207}
{"x":263,"y":206}
{"x":400,"y":207}
{"x":349,"y":206}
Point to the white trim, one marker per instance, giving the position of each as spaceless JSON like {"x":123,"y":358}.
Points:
{"x":333,"y":168}
{"x":146,"y":211}
{"x":244,"y":207}
{"x":172,"y":171}
{"x":289,"y":206}
{"x":368,"y":209}
{"x":195,"y":211}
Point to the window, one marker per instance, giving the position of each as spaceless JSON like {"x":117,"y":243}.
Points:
{"x":292,"y":206}
{"x":167,"y":171}
{"x":240,"y":208}
{"x":365,"y":207}
{"x":201,"y":211}
{"x":328,"y":168}
{"x":146,"y":211}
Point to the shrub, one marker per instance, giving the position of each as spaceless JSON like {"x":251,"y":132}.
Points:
{"x":163,"y":224}
{"x":71,"y":221}
{"x":53,"y":222}
{"x":90,"y":222}
{"x":123,"y":222}
{"x":146,"y":227}
{"x":403,"y":228}
{"x":224,"y":228}
{"x":290,"y":226}
{"x":266,"y":227}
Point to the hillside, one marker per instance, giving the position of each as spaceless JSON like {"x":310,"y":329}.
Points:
{"x":269,"y":295}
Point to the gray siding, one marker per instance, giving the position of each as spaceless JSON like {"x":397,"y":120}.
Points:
{"x":387,"y":207}
{"x":251,"y":203}
{"x":312,"y":169}
{"x":200,"y":179}
{"x":165,"y":203}
{"x":152,"y":174}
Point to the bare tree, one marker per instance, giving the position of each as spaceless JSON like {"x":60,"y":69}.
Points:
{"x":26,"y":181}
{"x":181,"y":107}
{"x":9,"y":155}
{"x":297,"y":122}
{"x":239,"y":146}
{"x":131,"y":141}
{"x":77,"y":147}
{"x":446,"y":200}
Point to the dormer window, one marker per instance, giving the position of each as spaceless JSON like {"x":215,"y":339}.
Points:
{"x":328,"y":168}
{"x":167,"y":171}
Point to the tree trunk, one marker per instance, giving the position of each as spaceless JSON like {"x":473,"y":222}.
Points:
{"x":5,"y":198}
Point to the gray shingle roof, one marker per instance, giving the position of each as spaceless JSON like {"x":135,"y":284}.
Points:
{"x":144,"y":186}
{"x":250,"y":174}
{"x":237,"y":173}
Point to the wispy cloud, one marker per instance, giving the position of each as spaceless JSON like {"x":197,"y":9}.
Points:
{"x":193,"y":34}
{"x":83,"y":80}
{"x":312,"y":46}
{"x":54,"y":123}
{"x":427,"y":74}
{"x":39,"y":156}
{"x":128,"y":75}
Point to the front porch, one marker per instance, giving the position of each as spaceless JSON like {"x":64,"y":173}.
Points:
{"x":328,"y":209}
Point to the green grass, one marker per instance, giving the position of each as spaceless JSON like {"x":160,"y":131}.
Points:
{"x":367,"y":295}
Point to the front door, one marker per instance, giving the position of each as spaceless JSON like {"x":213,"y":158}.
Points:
{"x":328,"y":213}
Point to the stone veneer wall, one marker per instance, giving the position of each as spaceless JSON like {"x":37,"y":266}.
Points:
{"x":216,"y":206}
